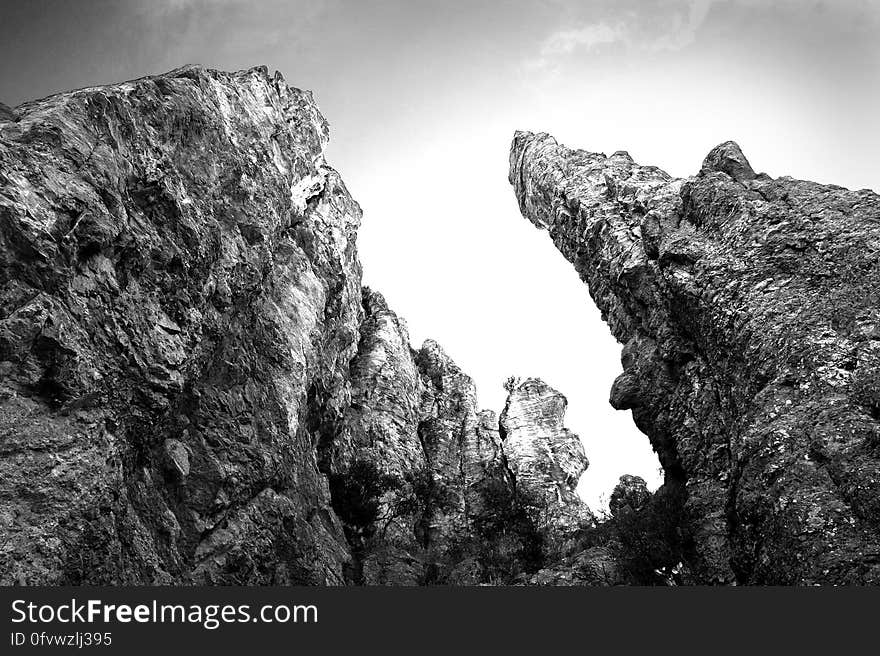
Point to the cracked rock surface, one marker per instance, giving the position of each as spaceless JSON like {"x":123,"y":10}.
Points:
{"x":196,"y":388}
{"x":749,"y":310}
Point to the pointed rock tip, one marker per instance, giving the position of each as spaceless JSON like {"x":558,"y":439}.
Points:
{"x":523,"y":137}
{"x":523,"y":141}
{"x":431,"y":351}
{"x":728,"y":158}
{"x":431,"y":345}
{"x":197,"y":70}
{"x":532,"y":385}
{"x":373,"y":302}
{"x":432,"y":359}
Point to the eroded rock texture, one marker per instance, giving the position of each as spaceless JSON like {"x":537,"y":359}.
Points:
{"x":178,"y":271}
{"x":194,"y":386}
{"x":545,"y":458}
{"x":749,"y":308}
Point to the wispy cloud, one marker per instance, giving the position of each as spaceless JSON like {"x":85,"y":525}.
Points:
{"x":668,"y":26}
{"x":587,"y":37}
{"x":562,"y":43}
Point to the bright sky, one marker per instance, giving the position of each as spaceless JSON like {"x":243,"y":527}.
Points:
{"x":423,"y":98}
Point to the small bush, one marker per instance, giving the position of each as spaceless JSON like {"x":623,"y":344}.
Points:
{"x":507,"y":542}
{"x":647,"y":543}
{"x":355,"y":496}
{"x":424,"y":494}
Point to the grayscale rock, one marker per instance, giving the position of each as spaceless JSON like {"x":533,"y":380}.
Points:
{"x":749,"y":310}
{"x":545,"y":458}
{"x":194,"y":385}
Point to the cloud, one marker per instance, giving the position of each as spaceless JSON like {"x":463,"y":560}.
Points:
{"x":650,"y":27}
{"x":683,"y":33}
{"x":562,"y":43}
{"x":587,"y":37}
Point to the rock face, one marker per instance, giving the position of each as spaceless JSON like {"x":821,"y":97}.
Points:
{"x":178,"y":272}
{"x":195,"y":387}
{"x":749,"y":310}
{"x":545,"y":459}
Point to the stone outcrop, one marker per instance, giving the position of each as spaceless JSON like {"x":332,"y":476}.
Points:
{"x":178,"y":271}
{"x":749,"y":312}
{"x":545,"y":458}
{"x":196,"y":388}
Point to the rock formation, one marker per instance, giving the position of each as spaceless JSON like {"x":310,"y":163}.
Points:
{"x":196,"y":388}
{"x":749,"y":310}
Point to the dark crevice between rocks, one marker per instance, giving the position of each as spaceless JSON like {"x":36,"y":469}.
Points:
{"x":354,"y":491}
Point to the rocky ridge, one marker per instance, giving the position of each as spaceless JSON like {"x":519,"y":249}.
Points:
{"x":196,"y":388}
{"x":749,"y":310}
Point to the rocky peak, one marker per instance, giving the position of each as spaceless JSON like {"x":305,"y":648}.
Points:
{"x":728,"y":158}
{"x":179,"y":287}
{"x":546,"y":458}
{"x":746,"y":305}
{"x":195,"y":387}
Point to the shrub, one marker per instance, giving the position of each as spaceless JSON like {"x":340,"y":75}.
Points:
{"x":507,"y":541}
{"x":355,"y":496}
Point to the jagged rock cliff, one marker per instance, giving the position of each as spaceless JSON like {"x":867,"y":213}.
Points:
{"x":749,"y":310}
{"x":195,"y":387}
